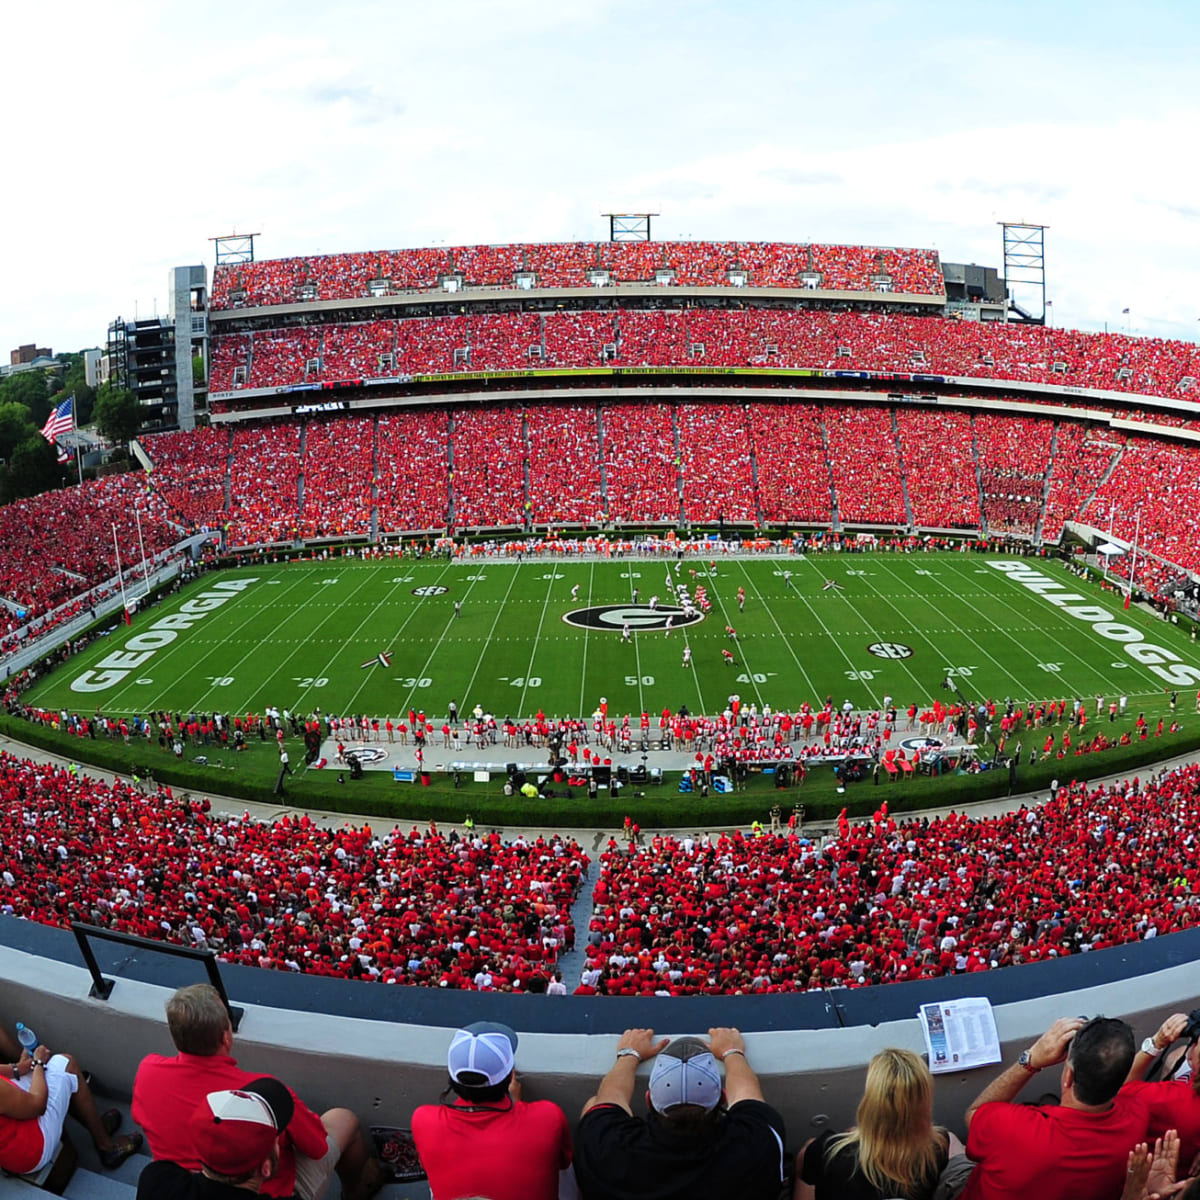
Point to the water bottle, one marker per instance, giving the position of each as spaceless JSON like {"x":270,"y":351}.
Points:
{"x":27,"y":1038}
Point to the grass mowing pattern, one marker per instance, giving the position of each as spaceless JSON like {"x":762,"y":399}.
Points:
{"x":297,"y":637}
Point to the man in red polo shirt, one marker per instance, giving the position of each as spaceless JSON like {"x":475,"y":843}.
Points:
{"x":167,"y":1090}
{"x":487,"y":1141}
{"x":1076,"y":1150}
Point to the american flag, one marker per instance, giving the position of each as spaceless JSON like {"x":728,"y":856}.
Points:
{"x":60,"y":421}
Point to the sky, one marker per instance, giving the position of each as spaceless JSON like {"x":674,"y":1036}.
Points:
{"x":148,"y":128}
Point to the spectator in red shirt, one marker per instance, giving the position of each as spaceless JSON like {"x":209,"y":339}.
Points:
{"x":1076,"y":1150}
{"x":485,"y":1140}
{"x":167,"y":1090}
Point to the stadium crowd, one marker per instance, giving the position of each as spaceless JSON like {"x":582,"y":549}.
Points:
{"x":893,"y":343}
{"x":578,"y":265}
{"x":415,"y":908}
{"x":584,"y":463}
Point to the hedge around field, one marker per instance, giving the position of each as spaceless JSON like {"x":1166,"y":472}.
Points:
{"x":252,"y":777}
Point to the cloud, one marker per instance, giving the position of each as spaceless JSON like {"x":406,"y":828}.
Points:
{"x":366,"y":105}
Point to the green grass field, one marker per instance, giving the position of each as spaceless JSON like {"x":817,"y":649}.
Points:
{"x":297,"y":637}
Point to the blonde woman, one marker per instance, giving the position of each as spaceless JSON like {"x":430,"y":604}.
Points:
{"x":894,"y":1150}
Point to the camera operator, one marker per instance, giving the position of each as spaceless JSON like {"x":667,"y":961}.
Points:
{"x":1173,"y":1099}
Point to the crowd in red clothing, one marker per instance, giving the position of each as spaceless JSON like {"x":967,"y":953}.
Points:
{"x":413,"y":471}
{"x":415,"y":908}
{"x":578,"y":265}
{"x":939,"y":468}
{"x":706,"y":338}
{"x":564,"y":464}
{"x":61,"y":543}
{"x":1158,"y":482}
{"x":264,"y":474}
{"x":339,"y":466}
{"x":1014,"y":461}
{"x":189,"y":474}
{"x":474,"y":465}
{"x":488,"y":477}
{"x":864,"y":465}
{"x":886,"y":901}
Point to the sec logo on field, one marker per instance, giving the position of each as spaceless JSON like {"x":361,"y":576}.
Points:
{"x":890,"y":650}
{"x":431,"y":590}
{"x":639,"y":617}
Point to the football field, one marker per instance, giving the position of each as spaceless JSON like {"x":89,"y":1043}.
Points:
{"x":382,"y":637}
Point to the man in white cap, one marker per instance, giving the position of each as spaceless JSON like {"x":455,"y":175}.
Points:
{"x":700,"y":1141}
{"x":235,"y":1135}
{"x":483,"y":1139}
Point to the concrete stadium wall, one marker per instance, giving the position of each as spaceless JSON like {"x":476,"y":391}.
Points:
{"x":380,"y":1050}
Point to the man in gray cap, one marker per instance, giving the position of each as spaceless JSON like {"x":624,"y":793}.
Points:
{"x":483,"y":1139}
{"x":700,"y":1140}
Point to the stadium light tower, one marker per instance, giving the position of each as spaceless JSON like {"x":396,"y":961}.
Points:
{"x":629,"y":227}
{"x":234,"y":249}
{"x":1025,"y":269}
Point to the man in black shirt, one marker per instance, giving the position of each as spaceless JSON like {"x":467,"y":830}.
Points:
{"x":698,"y":1141}
{"x":235,"y":1134}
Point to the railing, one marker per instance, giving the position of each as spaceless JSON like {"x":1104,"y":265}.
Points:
{"x":102,"y":988}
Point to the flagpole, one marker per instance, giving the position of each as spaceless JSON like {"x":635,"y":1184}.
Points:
{"x":120,"y":574}
{"x":75,"y":430}
{"x":1137,"y":529}
{"x":137,"y":512}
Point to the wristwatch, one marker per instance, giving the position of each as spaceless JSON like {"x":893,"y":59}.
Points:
{"x":1150,"y":1046}
{"x":1026,"y":1061}
{"x":629,"y":1052}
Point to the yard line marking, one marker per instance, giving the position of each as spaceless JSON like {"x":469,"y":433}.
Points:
{"x":369,"y":575}
{"x":537,"y":636}
{"x":637,"y":654}
{"x":183,"y":643}
{"x":771,"y":613}
{"x":437,"y":646}
{"x":586,"y":631}
{"x":367,"y":677}
{"x":745,"y":663}
{"x":829,"y":633}
{"x":1070,"y":655}
{"x":488,"y":640}
{"x":957,"y":627}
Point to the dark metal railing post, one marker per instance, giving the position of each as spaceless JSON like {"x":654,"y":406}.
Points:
{"x":102,"y":988}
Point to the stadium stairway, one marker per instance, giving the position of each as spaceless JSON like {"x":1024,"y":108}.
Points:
{"x":1105,"y":476}
{"x":228,"y":481}
{"x":1041,"y":521}
{"x":601,"y":459}
{"x":835,"y":522}
{"x":983,"y":521}
{"x":571,"y":963}
{"x":908,"y":508}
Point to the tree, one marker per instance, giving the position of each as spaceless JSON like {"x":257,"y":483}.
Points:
{"x":116,"y":414}
{"x":75,"y":384}
{"x":31,"y":388}
{"x":16,"y":426}
{"x":34,"y":468}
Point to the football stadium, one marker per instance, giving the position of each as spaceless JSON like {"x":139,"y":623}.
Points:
{"x":779,"y":637}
